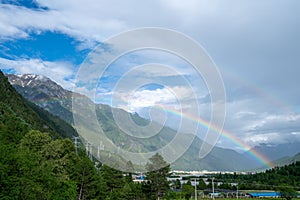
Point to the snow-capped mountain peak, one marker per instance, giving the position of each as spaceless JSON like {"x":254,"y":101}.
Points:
{"x":40,"y":84}
{"x":27,"y":79}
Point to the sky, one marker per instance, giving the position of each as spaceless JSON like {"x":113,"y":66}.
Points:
{"x":254,"y":44}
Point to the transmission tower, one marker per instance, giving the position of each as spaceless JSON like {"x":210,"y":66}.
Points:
{"x":89,"y":150}
{"x":76,"y":143}
{"x":100,"y":148}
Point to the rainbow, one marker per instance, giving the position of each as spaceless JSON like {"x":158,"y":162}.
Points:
{"x":206,"y":124}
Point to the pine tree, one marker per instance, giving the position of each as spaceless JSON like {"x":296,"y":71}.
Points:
{"x":114,"y":181}
{"x":158,"y":171}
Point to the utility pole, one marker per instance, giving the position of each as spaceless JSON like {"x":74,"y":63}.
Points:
{"x":195,"y":179}
{"x":213,"y":188}
{"x":237,"y":191}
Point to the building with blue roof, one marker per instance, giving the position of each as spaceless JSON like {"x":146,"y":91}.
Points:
{"x":264,"y":194}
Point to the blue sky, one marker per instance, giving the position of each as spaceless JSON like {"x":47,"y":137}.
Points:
{"x":255,"y":44}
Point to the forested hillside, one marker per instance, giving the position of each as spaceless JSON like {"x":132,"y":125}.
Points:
{"x":33,"y":115}
{"x":37,"y":162}
{"x":272,"y":179}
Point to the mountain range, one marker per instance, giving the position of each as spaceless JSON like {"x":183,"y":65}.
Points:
{"x":52,"y":97}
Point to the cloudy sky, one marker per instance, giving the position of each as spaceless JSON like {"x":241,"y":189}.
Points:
{"x":255,"y":45}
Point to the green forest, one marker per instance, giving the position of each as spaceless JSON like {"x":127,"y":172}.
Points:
{"x":272,"y":179}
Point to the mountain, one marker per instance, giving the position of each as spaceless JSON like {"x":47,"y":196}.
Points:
{"x":219,"y":159}
{"x":278,"y":155}
{"x":45,"y":93}
{"x":32,"y":114}
{"x":275,"y":152}
{"x":287,"y":160}
{"x":52,"y":97}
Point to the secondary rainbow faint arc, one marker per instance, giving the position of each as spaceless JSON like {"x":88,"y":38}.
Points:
{"x":255,"y":154}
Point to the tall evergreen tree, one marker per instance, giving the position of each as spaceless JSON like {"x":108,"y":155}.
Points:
{"x":158,"y":171}
{"x":187,"y":190}
{"x":113,"y":180}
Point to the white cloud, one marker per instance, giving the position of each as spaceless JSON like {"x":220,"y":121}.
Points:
{"x":97,"y":20}
{"x":279,"y":123}
{"x":60,"y":72}
{"x":272,"y":138}
{"x":254,"y":121}
{"x":82,"y":22}
{"x":148,"y":98}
